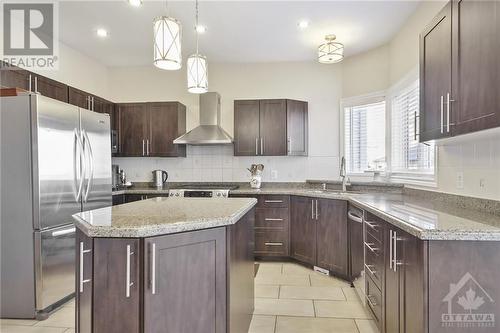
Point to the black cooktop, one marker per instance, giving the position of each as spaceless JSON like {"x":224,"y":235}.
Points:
{"x":208,"y":187}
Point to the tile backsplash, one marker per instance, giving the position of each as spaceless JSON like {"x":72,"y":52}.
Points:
{"x":217,"y":164}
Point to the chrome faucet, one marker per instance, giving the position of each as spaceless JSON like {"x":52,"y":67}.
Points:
{"x":343,"y":174}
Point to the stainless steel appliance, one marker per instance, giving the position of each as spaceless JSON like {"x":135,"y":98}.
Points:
{"x":56,"y":161}
{"x":356,"y":250}
{"x":159,"y":177}
{"x":210,"y":131}
{"x":202,"y":191}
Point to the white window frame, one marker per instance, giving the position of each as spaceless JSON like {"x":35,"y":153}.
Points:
{"x":371,"y":98}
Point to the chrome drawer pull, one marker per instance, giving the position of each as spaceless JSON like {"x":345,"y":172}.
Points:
{"x":372,"y":225}
{"x":153,"y":268}
{"x":273,"y":201}
{"x":128,"y":283}
{"x":82,"y":281}
{"x":369,"y":299}
{"x":368,"y":267}
{"x":373,"y":249}
{"x":273,"y":244}
{"x":271,"y":219}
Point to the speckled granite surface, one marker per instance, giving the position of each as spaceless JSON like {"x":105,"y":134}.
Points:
{"x":426,"y":215}
{"x":161,"y":216}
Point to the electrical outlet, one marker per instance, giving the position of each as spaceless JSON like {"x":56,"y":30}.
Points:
{"x":482,"y":183}
{"x":460,"y":180}
{"x":274,"y":174}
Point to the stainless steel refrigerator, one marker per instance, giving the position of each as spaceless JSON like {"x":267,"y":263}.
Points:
{"x":55,"y":162}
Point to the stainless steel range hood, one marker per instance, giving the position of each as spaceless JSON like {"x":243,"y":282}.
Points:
{"x":209,"y":132}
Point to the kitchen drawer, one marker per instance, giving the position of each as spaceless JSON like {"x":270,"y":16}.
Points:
{"x":273,"y":201}
{"x":374,"y":260}
{"x":374,"y":226}
{"x":374,"y":301}
{"x":271,"y":243}
{"x":274,"y":218}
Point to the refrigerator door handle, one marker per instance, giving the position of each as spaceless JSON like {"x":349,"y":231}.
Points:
{"x":78,"y":170}
{"x":90,"y":161}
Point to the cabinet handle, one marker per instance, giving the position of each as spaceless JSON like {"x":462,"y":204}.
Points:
{"x":369,"y":299}
{"x":262,"y":146}
{"x":312,"y":209}
{"x":273,"y":244}
{"x":442,"y":114}
{"x":390,"y":249}
{"x":372,"y":225}
{"x":395,"y":262}
{"x":273,"y":201}
{"x":354,"y":217}
{"x":371,"y":248}
{"x":143,"y":147}
{"x":368,"y":267}
{"x":272,"y":219}
{"x":82,"y":252}
{"x":256,"y":146}
{"x":153,"y":268}
{"x":29,"y":82}
{"x":147,"y":147}
{"x":36,"y":84}
{"x":289,"y":145}
{"x":128,"y":284}
{"x":415,"y":126}
{"x":448,"y":101}
{"x":317,"y":214}
{"x":93,"y":104}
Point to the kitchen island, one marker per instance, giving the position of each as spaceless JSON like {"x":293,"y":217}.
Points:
{"x":166,"y":265}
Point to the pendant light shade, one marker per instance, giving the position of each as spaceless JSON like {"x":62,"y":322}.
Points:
{"x":197,"y":74}
{"x":331,"y":51}
{"x":167,"y":43}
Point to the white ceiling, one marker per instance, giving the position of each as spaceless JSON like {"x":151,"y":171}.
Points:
{"x":238,"y":31}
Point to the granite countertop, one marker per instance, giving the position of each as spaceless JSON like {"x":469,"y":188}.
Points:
{"x":161,"y":216}
{"x":423,"y":217}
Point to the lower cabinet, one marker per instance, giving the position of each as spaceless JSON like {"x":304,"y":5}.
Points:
{"x":319,"y":233}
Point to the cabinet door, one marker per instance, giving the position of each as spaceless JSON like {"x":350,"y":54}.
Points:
{"x":476,"y":50}
{"x":435,"y":76}
{"x":246,"y":128}
{"x":51,"y":88}
{"x":303,"y":230}
{"x":331,"y":239}
{"x":116,"y":285}
{"x":163,"y":129}
{"x":297,"y":128}
{"x":78,"y":97}
{"x":133,"y":125}
{"x":84,"y":280}
{"x":15,"y":78}
{"x":273,"y":140}
{"x":185,"y":288}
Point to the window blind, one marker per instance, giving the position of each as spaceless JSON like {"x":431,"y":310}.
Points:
{"x":407,"y":154}
{"x":364,"y":137}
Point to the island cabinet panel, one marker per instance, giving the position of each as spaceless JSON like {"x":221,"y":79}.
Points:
{"x":240,"y":256}
{"x":84,"y":280}
{"x":303,"y":230}
{"x":332,"y":236}
{"x":476,"y":43}
{"x":116,"y":285}
{"x":185,"y":284}
{"x":435,"y":75}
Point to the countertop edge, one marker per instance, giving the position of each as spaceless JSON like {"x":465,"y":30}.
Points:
{"x":161,"y":229}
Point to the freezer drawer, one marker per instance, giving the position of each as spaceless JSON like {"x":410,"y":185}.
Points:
{"x":54,"y":265}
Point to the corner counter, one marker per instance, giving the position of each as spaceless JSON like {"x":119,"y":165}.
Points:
{"x":164,"y":264}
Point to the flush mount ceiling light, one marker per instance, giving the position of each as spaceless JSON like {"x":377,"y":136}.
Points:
{"x":303,"y":24}
{"x":103,"y":33}
{"x":167,"y":43}
{"x":197,"y":67}
{"x":135,"y":3}
{"x":331,"y":51}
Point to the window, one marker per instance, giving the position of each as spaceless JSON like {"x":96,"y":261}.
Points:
{"x":364,"y":137}
{"x":409,"y":158}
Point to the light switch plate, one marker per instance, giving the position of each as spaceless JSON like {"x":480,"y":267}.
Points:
{"x":274,"y":174}
{"x":460,"y":180}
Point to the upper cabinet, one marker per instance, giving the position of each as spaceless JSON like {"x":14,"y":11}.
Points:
{"x":459,"y":70}
{"x":149,"y":129}
{"x":271,"y":127}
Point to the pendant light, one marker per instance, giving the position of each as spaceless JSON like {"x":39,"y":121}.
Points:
{"x":331,"y":51}
{"x":197,"y":68}
{"x":167,"y":42}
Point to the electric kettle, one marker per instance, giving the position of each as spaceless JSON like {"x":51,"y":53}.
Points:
{"x":159,"y":177}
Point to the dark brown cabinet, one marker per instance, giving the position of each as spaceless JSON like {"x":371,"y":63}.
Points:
{"x":459,"y":70}
{"x":270,"y":127}
{"x":50,"y":88}
{"x":190,"y":267}
{"x":435,"y":76}
{"x":303,"y":230}
{"x":148,"y":129}
{"x":14,"y":78}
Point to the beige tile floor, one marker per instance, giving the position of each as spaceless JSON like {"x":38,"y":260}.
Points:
{"x":289,"y":299}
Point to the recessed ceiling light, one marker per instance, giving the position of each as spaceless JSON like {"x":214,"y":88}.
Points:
{"x":303,"y":24}
{"x":201,"y":29}
{"x":103,"y":33}
{"x":135,"y":3}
